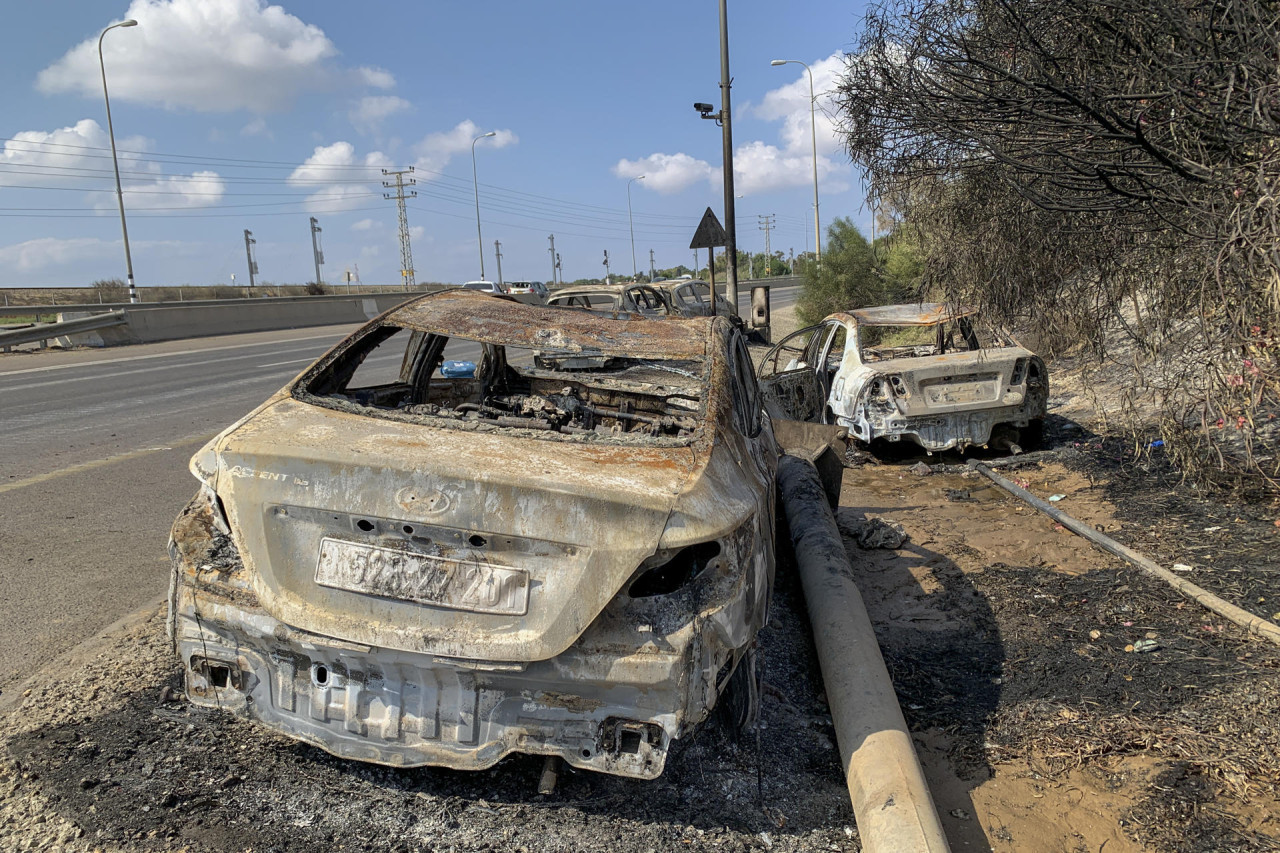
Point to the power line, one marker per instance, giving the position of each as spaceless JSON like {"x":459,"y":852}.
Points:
{"x":406,"y":251}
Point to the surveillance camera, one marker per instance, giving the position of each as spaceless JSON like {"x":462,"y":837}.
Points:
{"x":703,"y":108}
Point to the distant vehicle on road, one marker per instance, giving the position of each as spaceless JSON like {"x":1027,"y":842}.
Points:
{"x":613,"y":298}
{"x":484,"y":286}
{"x":928,"y":373}
{"x":526,"y":288}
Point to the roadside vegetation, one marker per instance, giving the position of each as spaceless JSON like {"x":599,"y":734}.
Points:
{"x":1103,"y":174}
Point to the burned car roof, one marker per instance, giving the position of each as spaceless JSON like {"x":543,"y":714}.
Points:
{"x":501,"y":321}
{"x":924,"y":314}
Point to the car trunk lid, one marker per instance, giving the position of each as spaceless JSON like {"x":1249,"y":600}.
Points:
{"x":466,"y":544}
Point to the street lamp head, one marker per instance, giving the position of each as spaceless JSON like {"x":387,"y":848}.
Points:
{"x":638,"y":178}
{"x":487,"y":135}
{"x":778,"y":62}
{"x":129,"y":23}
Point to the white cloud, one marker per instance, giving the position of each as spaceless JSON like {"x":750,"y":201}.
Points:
{"x":199,"y":189}
{"x":257,"y":127}
{"x":667,"y":173}
{"x":416,"y":232}
{"x":377,"y":78}
{"x":204,"y":55}
{"x":759,"y":166}
{"x":790,"y":104}
{"x":365,"y":225}
{"x":63,"y":154}
{"x":372,"y":110}
{"x":74,"y":155}
{"x":435,"y":152}
{"x":53,"y":252}
{"x":341,"y":179}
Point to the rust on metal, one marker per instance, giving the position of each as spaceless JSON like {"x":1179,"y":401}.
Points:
{"x":565,"y":549}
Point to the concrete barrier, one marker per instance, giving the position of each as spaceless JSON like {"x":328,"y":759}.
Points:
{"x":167,"y":321}
{"x":172,"y":321}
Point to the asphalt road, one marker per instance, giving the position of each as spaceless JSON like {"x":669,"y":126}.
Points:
{"x":94,"y":446}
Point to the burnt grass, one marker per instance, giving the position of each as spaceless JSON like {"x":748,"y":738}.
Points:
{"x":1041,"y":679}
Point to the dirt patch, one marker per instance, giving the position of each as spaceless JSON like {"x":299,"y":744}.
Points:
{"x":1011,"y":644}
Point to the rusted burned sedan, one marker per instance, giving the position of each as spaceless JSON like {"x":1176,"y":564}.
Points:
{"x":567,"y":553}
{"x":928,"y":373}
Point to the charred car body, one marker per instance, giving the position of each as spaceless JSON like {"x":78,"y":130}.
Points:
{"x":639,"y":299}
{"x":925,"y":373}
{"x":567,"y":553}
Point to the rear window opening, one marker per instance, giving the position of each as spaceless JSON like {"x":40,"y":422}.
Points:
{"x":452,"y":381}
{"x":881,"y":343}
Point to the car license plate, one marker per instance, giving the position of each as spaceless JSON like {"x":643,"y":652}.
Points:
{"x":469,"y":584}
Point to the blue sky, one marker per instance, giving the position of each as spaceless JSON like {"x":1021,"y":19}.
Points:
{"x":238,"y":114}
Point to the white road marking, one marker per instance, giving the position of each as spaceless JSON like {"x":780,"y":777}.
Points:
{"x":99,"y":463}
{"x":294,"y":361}
{"x":333,"y":337}
{"x":45,"y":383}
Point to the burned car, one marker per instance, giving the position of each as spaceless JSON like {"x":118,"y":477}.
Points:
{"x":639,"y":299}
{"x":692,"y":298}
{"x":566,"y":551}
{"x":929,"y":373}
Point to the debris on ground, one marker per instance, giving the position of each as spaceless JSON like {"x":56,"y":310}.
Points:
{"x":870,"y":532}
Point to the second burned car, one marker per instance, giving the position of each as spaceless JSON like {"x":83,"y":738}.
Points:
{"x":568,"y":552}
{"x":929,"y":374}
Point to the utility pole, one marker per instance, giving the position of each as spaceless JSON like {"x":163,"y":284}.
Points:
{"x":652,"y":272}
{"x":726,"y":117}
{"x":406,"y":251}
{"x":555,"y":259}
{"x":695,"y":263}
{"x":559,"y":269}
{"x":497,"y":250}
{"x":766,"y":224}
{"x":249,"y":243}
{"x":606,"y":267}
{"x":317,"y":254}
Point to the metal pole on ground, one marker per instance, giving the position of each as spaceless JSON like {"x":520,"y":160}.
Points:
{"x":891,"y":801}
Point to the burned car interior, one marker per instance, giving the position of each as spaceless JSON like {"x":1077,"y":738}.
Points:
{"x":569,"y":393}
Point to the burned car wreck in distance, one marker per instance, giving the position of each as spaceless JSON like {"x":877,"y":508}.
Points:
{"x":566,"y":551}
{"x":928,"y":373}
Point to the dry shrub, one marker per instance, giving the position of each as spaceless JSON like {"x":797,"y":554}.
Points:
{"x":1095,"y":171}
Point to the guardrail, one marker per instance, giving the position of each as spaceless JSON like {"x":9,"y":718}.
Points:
{"x":44,"y":331}
{"x":90,"y":307}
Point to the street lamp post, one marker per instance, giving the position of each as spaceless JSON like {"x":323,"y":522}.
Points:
{"x":124,"y":229}
{"x":631,"y":225}
{"x":476,"y":185}
{"x":813,"y":131}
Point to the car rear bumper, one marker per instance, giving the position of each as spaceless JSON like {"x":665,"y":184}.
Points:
{"x":935,"y":433}
{"x":612,"y":702}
